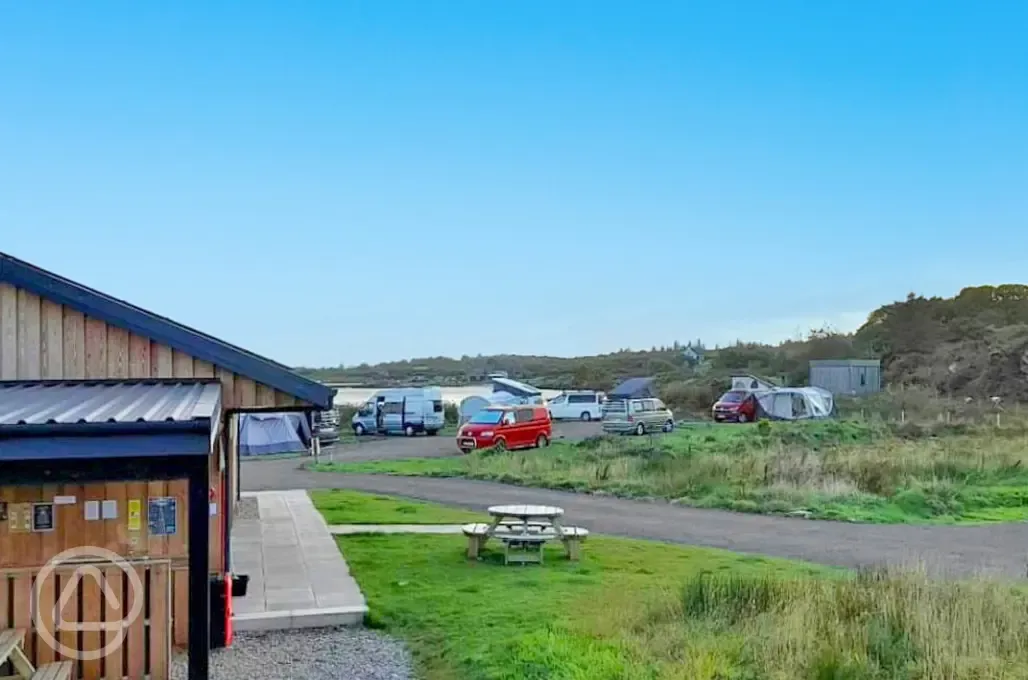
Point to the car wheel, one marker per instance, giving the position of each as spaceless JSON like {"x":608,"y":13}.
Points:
{"x":500,"y":445}
{"x":358,"y":430}
{"x":431,"y":433}
{"x":669,"y":426}
{"x":409,"y":430}
{"x":640,"y":429}
{"x":541,"y":442}
{"x":743,"y":418}
{"x":586,"y":417}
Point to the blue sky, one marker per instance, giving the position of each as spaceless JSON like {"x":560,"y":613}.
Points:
{"x":337,"y":182}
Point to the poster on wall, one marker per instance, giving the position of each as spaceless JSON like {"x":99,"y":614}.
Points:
{"x":43,"y":517}
{"x":135,"y":511}
{"x":20,"y":518}
{"x":162,"y":516}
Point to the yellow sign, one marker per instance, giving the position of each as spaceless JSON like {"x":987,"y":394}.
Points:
{"x":20,"y":518}
{"x":135,"y":516}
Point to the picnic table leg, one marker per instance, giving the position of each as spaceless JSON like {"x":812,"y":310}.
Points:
{"x":474,"y":546}
{"x":571,"y":549}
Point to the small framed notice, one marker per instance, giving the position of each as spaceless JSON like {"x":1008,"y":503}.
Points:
{"x":109,"y":510}
{"x":162,"y":516}
{"x":42,"y":517}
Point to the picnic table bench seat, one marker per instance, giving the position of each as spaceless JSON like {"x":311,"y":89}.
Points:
{"x":478,"y":534}
{"x":54,"y":671}
{"x":11,"y":641}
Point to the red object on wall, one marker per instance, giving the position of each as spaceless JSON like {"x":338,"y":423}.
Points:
{"x":228,"y":610}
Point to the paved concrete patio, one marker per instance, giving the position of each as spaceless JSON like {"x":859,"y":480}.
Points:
{"x":298,"y":577}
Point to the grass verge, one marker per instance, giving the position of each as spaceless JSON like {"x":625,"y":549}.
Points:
{"x":638,"y":610}
{"x":853,"y":471}
{"x":340,"y":506}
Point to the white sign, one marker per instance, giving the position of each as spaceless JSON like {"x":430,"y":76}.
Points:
{"x":110,"y":510}
{"x":92,"y":511}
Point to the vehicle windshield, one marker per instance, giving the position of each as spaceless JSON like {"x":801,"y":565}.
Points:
{"x":732,"y":397}
{"x":486,"y":418}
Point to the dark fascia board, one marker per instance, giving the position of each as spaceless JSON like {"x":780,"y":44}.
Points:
{"x":165,"y":331}
{"x":53,"y":449}
{"x":153,"y":428}
{"x":114,"y":468}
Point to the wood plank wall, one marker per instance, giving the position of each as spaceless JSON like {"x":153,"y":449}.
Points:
{"x":42,"y":340}
{"x":146,"y":647}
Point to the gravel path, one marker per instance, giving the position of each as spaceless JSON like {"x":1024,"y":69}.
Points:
{"x":321,"y":654}
{"x":998,"y":549}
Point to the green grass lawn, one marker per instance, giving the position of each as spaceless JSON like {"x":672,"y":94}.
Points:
{"x":638,"y":610}
{"x":826,"y":470}
{"x":340,"y":506}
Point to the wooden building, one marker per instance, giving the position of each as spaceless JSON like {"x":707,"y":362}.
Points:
{"x":108,"y":408}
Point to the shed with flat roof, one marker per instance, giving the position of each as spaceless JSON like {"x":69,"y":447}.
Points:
{"x":119,"y":430}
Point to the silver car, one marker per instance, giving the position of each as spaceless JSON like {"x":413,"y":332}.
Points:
{"x":637,"y":416}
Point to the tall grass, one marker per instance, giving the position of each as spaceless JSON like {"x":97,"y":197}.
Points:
{"x":879,"y":625}
{"x":836,"y":469}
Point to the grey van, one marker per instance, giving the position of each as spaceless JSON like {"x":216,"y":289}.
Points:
{"x":637,"y":416}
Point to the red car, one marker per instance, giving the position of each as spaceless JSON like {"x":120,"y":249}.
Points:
{"x":506,"y":427}
{"x":735,"y":406}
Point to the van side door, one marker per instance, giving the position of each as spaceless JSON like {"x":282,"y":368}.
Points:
{"x":558,"y":406}
{"x":392,"y":416}
{"x":525,"y":426}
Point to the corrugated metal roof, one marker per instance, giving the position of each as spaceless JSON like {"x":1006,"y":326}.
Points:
{"x":85,"y":402}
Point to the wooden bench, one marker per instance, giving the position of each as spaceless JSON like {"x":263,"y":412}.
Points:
{"x":477,"y":534}
{"x":573,"y":538}
{"x":537,"y":535}
{"x":11,"y":641}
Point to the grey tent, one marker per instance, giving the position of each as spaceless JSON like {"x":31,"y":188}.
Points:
{"x":265,"y":434}
{"x":793,"y":403}
{"x":634,"y":388}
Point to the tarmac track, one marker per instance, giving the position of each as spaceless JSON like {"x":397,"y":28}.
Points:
{"x":994,"y":549}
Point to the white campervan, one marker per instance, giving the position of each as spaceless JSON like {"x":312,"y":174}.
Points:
{"x":578,"y":405}
{"x":401,"y":410}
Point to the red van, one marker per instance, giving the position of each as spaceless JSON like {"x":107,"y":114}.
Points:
{"x":506,"y":427}
{"x":735,"y":406}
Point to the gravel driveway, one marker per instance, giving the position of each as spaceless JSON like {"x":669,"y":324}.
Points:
{"x":996,"y":549}
{"x":396,"y":448}
{"x":316,"y":654}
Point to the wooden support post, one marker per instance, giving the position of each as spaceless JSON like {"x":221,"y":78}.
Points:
{"x":199,"y":578}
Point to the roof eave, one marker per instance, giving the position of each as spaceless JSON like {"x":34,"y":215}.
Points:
{"x":141,"y":322}
{"x":16,"y":430}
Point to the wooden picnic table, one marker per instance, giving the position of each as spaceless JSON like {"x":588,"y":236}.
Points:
{"x":11,"y":641}
{"x":527,"y":516}
{"x":524,"y":529}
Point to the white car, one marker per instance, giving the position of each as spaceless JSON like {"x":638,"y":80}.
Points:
{"x":582,"y":405}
